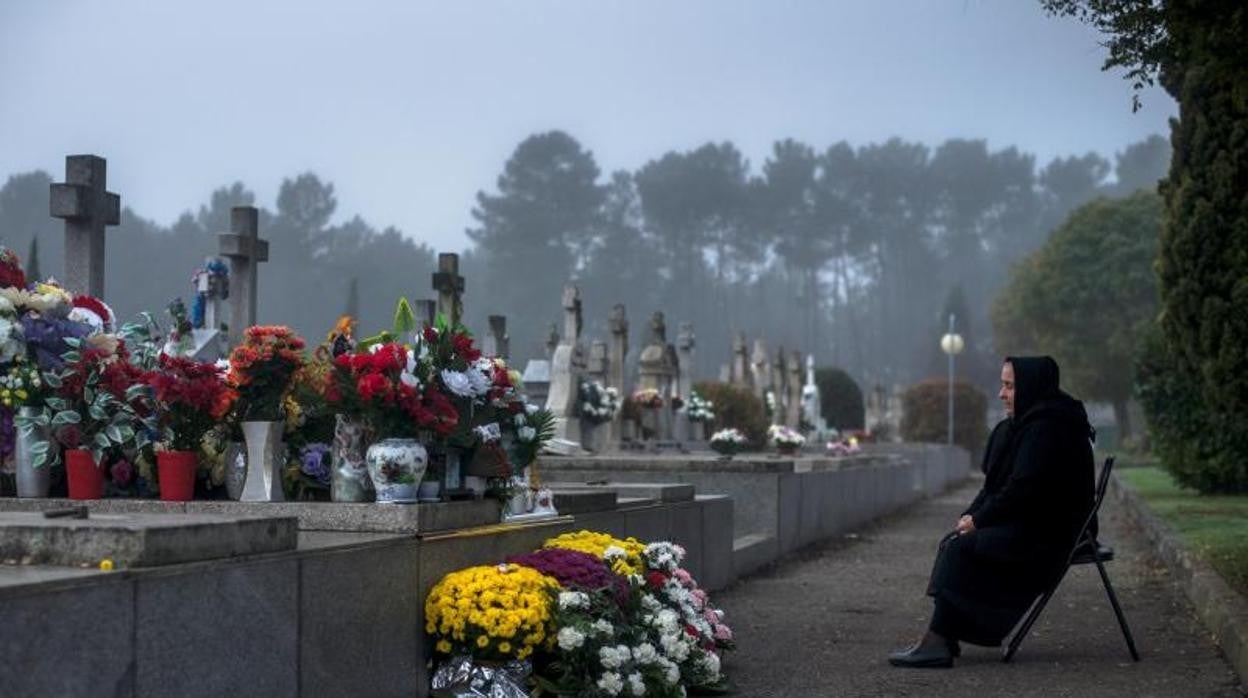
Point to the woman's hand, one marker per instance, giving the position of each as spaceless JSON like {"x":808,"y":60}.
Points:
{"x":965,"y":525}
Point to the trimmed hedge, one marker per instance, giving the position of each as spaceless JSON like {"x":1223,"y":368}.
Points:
{"x":738,"y":408}
{"x":926,"y":414}
{"x":841,"y":399}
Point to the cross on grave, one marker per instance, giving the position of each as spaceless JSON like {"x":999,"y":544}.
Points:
{"x":87,"y":208}
{"x":450,"y":287}
{"x":245,"y":250}
{"x":566,"y":366}
{"x":426,"y":312}
{"x":618,"y":323}
{"x":497,"y":343}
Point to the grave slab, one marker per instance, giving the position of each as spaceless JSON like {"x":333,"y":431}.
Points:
{"x":571,"y":500}
{"x":140,"y":540}
{"x":657,"y":491}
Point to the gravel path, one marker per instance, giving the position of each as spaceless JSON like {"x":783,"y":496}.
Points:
{"x":822,"y":622}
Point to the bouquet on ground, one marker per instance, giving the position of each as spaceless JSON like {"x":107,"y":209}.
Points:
{"x":598,"y":403}
{"x":649,"y":398}
{"x":700,"y":409}
{"x":784,"y":438}
{"x":729,"y":441}
{"x":262,"y":369}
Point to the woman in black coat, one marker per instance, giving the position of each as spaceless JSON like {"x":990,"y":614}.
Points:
{"x":1012,"y":542}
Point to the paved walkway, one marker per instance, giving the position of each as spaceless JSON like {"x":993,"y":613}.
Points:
{"x":821,"y":624}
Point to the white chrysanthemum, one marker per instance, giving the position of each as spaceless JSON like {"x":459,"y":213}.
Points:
{"x":614,"y":552}
{"x":645,"y":654}
{"x":611,"y":683}
{"x":710,"y":664}
{"x":612,"y":658}
{"x":604,"y":627}
{"x":569,"y":638}
{"x":457,"y":382}
{"x":479,"y":382}
{"x":636,"y":684}
{"x":573,"y":600}
{"x":526,"y":434}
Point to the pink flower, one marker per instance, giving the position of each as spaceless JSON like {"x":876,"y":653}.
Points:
{"x":723,"y":633}
{"x":122,"y":473}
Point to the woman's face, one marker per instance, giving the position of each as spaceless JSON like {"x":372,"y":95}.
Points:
{"x":1007,"y":388}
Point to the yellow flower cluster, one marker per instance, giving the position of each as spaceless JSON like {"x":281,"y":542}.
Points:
{"x":597,"y":543}
{"x":501,"y":610}
{"x":9,"y":396}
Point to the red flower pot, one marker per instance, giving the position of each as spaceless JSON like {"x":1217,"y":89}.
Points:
{"x":85,"y":478}
{"x":176,"y":470}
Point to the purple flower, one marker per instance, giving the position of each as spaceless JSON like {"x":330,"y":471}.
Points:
{"x":574,"y":570}
{"x":122,"y":472}
{"x":46,"y":336}
{"x":315,"y":462}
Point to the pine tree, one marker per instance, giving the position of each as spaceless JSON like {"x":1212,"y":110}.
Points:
{"x":32,"y":261}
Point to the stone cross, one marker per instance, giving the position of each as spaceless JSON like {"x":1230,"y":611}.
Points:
{"x":426,"y":312}
{"x":598,"y":365}
{"x":245,"y":250}
{"x":657,"y":370}
{"x":566,"y":366}
{"x":793,"y":403}
{"x":85,"y":205}
{"x":450,"y":287}
{"x":497,"y":343}
{"x":618,"y":323}
{"x":685,"y":344}
{"x":740,"y":363}
{"x":760,"y":367}
{"x":779,"y":388}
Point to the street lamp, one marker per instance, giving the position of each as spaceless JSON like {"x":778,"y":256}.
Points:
{"x":952,"y":345}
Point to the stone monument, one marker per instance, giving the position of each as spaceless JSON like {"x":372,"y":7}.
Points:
{"x":566,"y":367}
{"x":245,"y":250}
{"x":87,"y":208}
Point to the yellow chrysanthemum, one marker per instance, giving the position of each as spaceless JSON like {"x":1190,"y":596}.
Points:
{"x":597,"y":544}
{"x":501,"y":602}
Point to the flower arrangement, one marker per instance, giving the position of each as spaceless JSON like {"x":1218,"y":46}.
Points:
{"x":192,"y":397}
{"x":598,"y":403}
{"x":493,"y":612}
{"x":261,"y":370}
{"x":382,"y":387}
{"x":700,"y":409}
{"x":21,"y":386}
{"x":649,"y":398}
{"x":729,"y":441}
{"x":575,"y":570}
{"x":785,"y":438}
{"x":843,"y":447}
{"x":624,"y":556}
{"x":100,"y":401}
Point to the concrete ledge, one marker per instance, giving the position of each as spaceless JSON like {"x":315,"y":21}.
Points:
{"x":312,"y":516}
{"x":753,"y":552}
{"x":1223,"y":610}
{"x":657,"y":491}
{"x":571,"y":500}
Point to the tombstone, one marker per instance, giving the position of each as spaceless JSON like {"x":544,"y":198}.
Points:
{"x":685,"y":343}
{"x":425,"y":312}
{"x":450,"y":287}
{"x":793,"y":392}
{"x":779,"y":388}
{"x":245,"y":250}
{"x":536,"y":379}
{"x":812,"y":401}
{"x":597,"y":366}
{"x":87,"y":208}
{"x":656,"y":371}
{"x":552,"y":340}
{"x":617,"y":352}
{"x":497,"y":343}
{"x":760,"y":367}
{"x":566,"y":367}
{"x":741,"y":375}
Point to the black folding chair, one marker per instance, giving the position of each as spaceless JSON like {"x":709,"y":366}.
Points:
{"x":1087,"y":550}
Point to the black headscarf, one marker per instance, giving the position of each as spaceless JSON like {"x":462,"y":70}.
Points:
{"x":1036,"y":383}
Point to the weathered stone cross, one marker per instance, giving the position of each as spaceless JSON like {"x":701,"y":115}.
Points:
{"x":245,"y":250}
{"x":449,"y":285}
{"x":87,"y":208}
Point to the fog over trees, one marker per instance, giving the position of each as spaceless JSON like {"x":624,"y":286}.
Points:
{"x":852,"y":253}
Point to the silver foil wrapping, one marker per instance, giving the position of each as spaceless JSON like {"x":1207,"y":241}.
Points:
{"x":461,"y":676}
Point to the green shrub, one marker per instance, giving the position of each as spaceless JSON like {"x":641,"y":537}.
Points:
{"x":926,"y":414}
{"x":840,"y":398}
{"x":738,"y":408}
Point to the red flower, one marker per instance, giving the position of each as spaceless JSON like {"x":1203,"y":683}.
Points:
{"x":655,"y":579}
{"x":430,"y":334}
{"x":462,"y":344}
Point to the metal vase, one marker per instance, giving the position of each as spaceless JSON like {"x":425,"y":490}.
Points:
{"x":265,"y":458}
{"x":31,"y":481}
{"x":235,"y":469}
{"x":349,"y":481}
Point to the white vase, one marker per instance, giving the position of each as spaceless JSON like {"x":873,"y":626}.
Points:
{"x":266,"y":454}
{"x":396,"y":467}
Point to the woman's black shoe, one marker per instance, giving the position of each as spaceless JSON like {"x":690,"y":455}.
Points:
{"x":936,"y":655}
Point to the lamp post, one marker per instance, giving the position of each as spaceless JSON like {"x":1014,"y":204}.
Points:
{"x":952,"y":345}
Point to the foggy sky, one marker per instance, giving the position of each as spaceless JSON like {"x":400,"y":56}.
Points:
{"x":410,"y":108}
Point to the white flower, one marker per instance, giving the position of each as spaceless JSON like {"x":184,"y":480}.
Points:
{"x":604,"y":627}
{"x":710,"y":663}
{"x":569,"y":638}
{"x":530,"y":408}
{"x":645,"y":654}
{"x":636,"y":684}
{"x":611,"y":683}
{"x":479,"y":382}
{"x":488,"y":433}
{"x":409,"y":379}
{"x":457,"y":382}
{"x":12,"y":341}
{"x":613,"y":552}
{"x":612,"y":658}
{"x":526,"y":434}
{"x":573,"y":600}
{"x":6,"y":306}
{"x":520,"y":420}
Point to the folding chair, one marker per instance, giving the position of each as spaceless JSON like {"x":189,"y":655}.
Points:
{"x":1087,"y":550}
